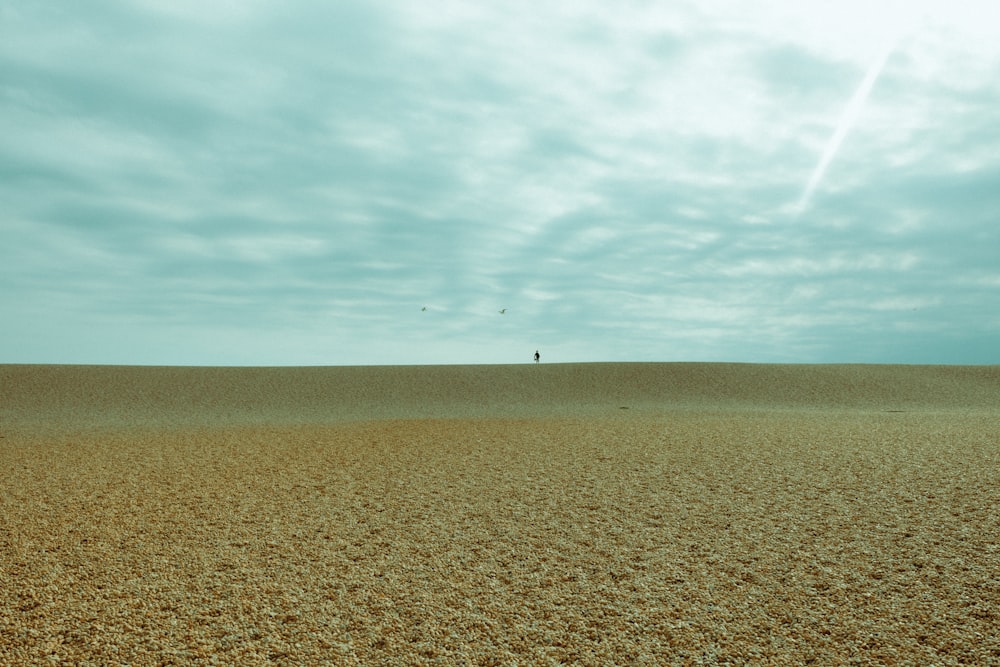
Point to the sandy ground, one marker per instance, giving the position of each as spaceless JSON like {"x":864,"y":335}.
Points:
{"x":596,"y":514}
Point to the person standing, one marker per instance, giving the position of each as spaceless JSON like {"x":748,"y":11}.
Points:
{"x":537,"y":356}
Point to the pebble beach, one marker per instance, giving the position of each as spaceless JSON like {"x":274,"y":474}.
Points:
{"x":583,"y":514}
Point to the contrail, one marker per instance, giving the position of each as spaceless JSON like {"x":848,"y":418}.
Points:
{"x":847,"y":121}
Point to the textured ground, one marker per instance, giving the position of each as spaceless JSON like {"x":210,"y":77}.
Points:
{"x":582,"y":514}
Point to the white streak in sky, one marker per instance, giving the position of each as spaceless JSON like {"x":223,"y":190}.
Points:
{"x":847,"y":121}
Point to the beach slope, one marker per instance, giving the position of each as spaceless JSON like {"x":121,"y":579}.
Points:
{"x":488,"y":515}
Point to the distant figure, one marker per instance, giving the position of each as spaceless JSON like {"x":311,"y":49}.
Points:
{"x":537,"y":356}
{"x":502,"y":311}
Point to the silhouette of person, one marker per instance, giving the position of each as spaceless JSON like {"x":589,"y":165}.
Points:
{"x":537,"y":356}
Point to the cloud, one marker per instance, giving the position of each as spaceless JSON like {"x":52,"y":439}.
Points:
{"x":254,"y":183}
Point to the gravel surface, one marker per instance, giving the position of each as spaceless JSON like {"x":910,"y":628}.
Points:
{"x":691,"y":514}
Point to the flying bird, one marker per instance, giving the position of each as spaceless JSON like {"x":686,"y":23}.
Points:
{"x":502,"y":311}
{"x":423,"y":309}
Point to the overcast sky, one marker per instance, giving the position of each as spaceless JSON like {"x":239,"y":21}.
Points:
{"x":306,"y":182}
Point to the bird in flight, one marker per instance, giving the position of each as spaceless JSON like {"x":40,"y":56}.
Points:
{"x":423,"y":309}
{"x":502,"y":311}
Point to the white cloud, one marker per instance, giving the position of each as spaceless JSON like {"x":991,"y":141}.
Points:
{"x":621,"y":179}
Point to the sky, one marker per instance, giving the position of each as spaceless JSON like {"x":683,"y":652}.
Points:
{"x":302,"y":182}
